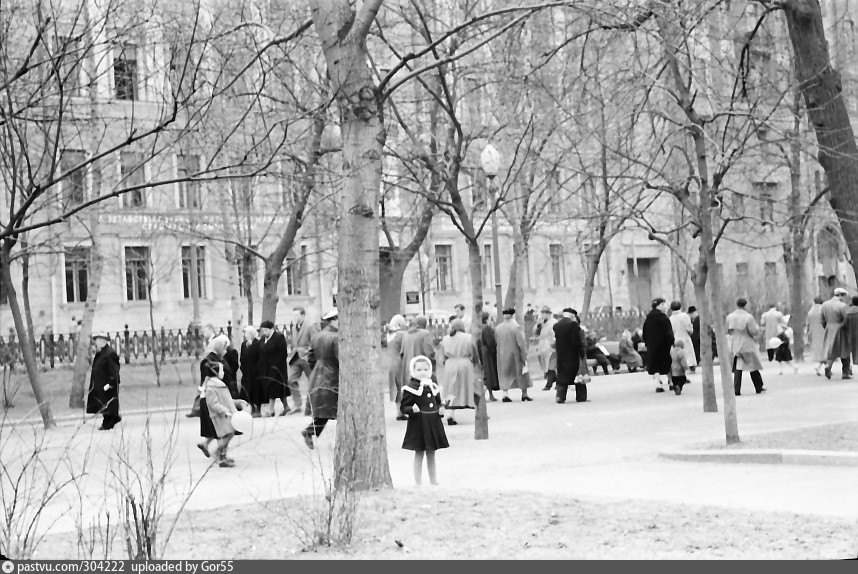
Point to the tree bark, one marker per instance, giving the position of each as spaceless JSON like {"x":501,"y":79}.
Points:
{"x":590,"y":276}
{"x":515,"y":289}
{"x":710,"y":400}
{"x":475,"y":270}
{"x":93,"y":286}
{"x":361,"y":450}
{"x":26,"y":342}
{"x":822,"y":89}
{"x":391,"y":276}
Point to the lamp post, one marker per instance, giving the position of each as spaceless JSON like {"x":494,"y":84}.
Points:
{"x":490,"y":159}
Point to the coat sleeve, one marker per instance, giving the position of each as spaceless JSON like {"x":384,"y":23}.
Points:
{"x":408,"y":399}
{"x":753,"y":329}
{"x":217,"y":406}
{"x":113,"y":369}
{"x":522,"y":345}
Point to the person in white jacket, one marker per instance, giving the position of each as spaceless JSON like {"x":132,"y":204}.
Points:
{"x":682,"y":330}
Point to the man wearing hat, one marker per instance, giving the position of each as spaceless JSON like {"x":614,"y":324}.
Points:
{"x":569,"y":343}
{"x":545,"y":348}
{"x":103,"y":395}
{"x":324,"y":390}
{"x":271,"y":370}
{"x":512,"y":357}
{"x":836,"y":340}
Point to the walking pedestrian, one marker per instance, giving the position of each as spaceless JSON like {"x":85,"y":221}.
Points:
{"x":421,"y":402}
{"x":852,"y":328}
{"x":301,"y":333}
{"x":206,"y":334}
{"x":680,"y":322}
{"x":395,"y":334}
{"x":248,"y":365}
{"x":743,"y":331}
{"x":545,"y":347}
{"x":695,"y":333}
{"x":103,"y":395}
{"x":324,"y":358}
{"x":215,"y":424}
{"x":230,"y":371}
{"x":658,"y":338}
{"x":836,"y":341}
{"x":512,"y":357}
{"x":460,"y":355}
{"x":272,"y":370}
{"x":678,"y":365}
{"x":569,"y":344}
{"x":488,"y":347}
{"x":783,"y":353}
{"x":771,"y":321}
{"x":816,"y":334}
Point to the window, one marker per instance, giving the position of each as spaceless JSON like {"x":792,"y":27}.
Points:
{"x":770,"y":272}
{"x":137,"y":273}
{"x":77,"y":271}
{"x":125,"y":72}
{"x":188,"y":268}
{"x":742,"y":273}
{"x":131,"y":168}
{"x":68,"y":56}
{"x":738,"y":203}
{"x":444,"y":267}
{"x":767,"y":208}
{"x":74,"y":184}
{"x":488,"y":269}
{"x":296,"y":273}
{"x":558,"y":275}
{"x":189,"y":191}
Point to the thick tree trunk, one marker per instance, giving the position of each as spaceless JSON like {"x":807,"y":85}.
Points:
{"x":93,"y":286}
{"x":798,"y":306}
{"x":25,"y":291}
{"x":270,"y":295}
{"x":515,"y":289}
{"x":391,"y":276}
{"x":795,"y":251}
{"x":821,"y":86}
{"x":716,"y":285}
{"x":26,"y":342}
{"x":475,"y":270}
{"x":361,"y":450}
{"x":710,"y":400}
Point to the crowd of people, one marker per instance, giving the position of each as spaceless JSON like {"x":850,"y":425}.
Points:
{"x":472,"y":357}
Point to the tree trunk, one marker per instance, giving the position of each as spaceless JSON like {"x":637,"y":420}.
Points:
{"x":475,"y":270}
{"x":821,"y":86}
{"x":270,"y":296}
{"x":798,"y":307}
{"x":731,"y":424}
{"x":26,"y":342}
{"x":155,"y":364}
{"x":25,"y":291}
{"x":93,"y":286}
{"x":194,"y":285}
{"x":515,"y":289}
{"x":590,"y":277}
{"x":249,"y":276}
{"x":361,"y":450}
{"x":710,"y":400}
{"x":391,"y":276}
{"x":795,"y":251}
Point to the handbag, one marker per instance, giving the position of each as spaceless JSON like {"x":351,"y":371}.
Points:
{"x":583,"y":376}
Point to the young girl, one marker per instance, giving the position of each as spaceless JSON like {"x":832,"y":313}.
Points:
{"x":421,"y":401}
{"x":783,"y":354}
{"x":678,"y":366}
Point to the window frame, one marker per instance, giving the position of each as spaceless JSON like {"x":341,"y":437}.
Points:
{"x":448,"y":257}
{"x":77,"y":297}
{"x":149,"y":266}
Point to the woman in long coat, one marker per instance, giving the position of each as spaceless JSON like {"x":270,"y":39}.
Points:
{"x":680,"y":322}
{"x":816,"y":334}
{"x":460,"y":354}
{"x":248,"y":364}
{"x":272,"y":370}
{"x":512,"y":356}
{"x":658,"y":338}
{"x":324,"y":387}
{"x":103,"y":395}
{"x":396,"y":332}
{"x":545,"y":348}
{"x":488,"y":348}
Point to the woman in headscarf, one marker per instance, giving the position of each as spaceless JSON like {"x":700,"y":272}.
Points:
{"x":460,"y":354}
{"x":395,"y":334}
{"x":628,"y":355}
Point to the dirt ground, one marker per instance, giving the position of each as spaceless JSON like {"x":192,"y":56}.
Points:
{"x":839,"y":437}
{"x":448,"y":523}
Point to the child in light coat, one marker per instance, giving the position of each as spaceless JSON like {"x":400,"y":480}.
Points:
{"x":678,"y":366}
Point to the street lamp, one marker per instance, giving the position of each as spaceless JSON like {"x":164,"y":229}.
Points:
{"x":490,"y":159}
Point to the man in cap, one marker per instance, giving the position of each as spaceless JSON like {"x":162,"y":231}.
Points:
{"x":103,"y":395}
{"x":836,"y":340}
{"x":570,"y":354}
{"x":512,"y":357}
{"x":324,"y":391}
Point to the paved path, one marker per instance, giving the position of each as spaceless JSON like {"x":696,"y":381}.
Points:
{"x":606,"y":449}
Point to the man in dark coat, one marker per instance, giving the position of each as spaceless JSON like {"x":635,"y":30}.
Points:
{"x":249,"y":362}
{"x":569,"y":343}
{"x":488,"y":348}
{"x":658,"y":338}
{"x":271,"y":371}
{"x":103,"y":395}
{"x":324,"y":391}
{"x":695,"y":332}
{"x":852,"y":328}
{"x":836,"y":342}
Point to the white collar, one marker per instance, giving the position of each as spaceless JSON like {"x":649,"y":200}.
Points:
{"x":424,"y":383}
